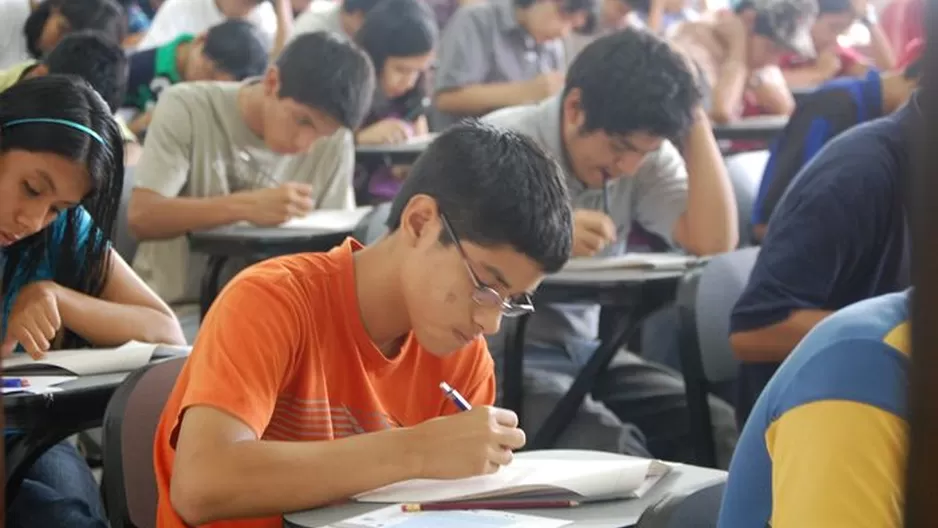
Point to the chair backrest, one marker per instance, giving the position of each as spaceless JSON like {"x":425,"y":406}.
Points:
{"x":698,"y":508}
{"x":721,"y":283}
{"x":130,"y":423}
{"x":372,"y":227}
{"x":745,"y":172}
{"x":124,"y":242}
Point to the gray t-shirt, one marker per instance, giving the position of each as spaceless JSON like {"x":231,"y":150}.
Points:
{"x":198,"y":146}
{"x":484,"y":43}
{"x":322,"y":15}
{"x":655,"y":197}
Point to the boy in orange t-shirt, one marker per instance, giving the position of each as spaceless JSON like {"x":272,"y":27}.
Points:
{"x":316,"y":376}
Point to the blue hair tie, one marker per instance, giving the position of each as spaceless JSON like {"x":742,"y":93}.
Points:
{"x":71,"y":124}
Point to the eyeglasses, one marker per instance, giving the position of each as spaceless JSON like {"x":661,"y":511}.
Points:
{"x":485,"y":295}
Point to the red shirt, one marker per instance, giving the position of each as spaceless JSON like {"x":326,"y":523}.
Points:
{"x":903,"y":22}
{"x":848,"y":59}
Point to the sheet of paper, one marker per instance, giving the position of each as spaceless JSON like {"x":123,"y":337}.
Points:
{"x":662,"y":261}
{"x":393,"y":517}
{"x":591,"y":478}
{"x":329,"y":220}
{"x":85,"y":362}
{"x":38,"y":384}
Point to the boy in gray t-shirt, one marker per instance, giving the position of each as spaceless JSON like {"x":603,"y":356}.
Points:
{"x":625,"y":94}
{"x":262,"y":151}
{"x":501,"y":53}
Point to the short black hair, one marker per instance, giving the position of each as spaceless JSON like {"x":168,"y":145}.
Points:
{"x":567,"y":6}
{"x":328,"y":72}
{"x":632,"y":81}
{"x":96,"y":59}
{"x":351,"y":6}
{"x":237,"y":48}
{"x":497,"y":188}
{"x":834,"y":6}
{"x":104,"y":16}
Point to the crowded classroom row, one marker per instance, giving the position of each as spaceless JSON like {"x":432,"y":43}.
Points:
{"x":552,"y":133}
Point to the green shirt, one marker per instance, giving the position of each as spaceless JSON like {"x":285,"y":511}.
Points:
{"x":152,"y":71}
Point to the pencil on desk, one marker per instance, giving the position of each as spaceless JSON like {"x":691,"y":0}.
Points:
{"x":489,"y":505}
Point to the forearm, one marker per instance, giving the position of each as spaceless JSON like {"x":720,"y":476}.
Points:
{"x":132,"y":153}
{"x":479,"y":99}
{"x":806,"y":77}
{"x":728,"y":91}
{"x":259,"y":478}
{"x":104,"y":323}
{"x":284,"y":12}
{"x":882,"y":53}
{"x":710,"y":221}
{"x":157,"y":217}
{"x":775,"y":342}
{"x":140,"y":123}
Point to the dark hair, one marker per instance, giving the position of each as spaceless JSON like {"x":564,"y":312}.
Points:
{"x":567,"y":6}
{"x":237,"y":48}
{"x":400,"y":28}
{"x":834,"y":6}
{"x":632,"y":81}
{"x":80,"y":267}
{"x":102,"y":63}
{"x":327,"y":72}
{"x":497,"y":188}
{"x":105,"y":16}
{"x":351,"y":6}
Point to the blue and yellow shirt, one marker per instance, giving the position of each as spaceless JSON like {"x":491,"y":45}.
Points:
{"x":825,"y":445}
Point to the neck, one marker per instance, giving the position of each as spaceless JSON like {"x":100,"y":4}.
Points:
{"x":894,"y":92}
{"x":182,"y":57}
{"x":251,"y":107}
{"x":523,"y":18}
{"x":380,"y":300}
{"x":348,"y":23}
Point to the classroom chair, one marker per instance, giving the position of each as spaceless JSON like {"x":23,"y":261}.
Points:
{"x":745,"y":172}
{"x":124,"y":242}
{"x":130,"y":422}
{"x":705,"y":300}
{"x":699,"y":508}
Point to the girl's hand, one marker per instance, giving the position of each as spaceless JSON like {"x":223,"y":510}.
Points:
{"x":384,"y":132}
{"x":34,"y":320}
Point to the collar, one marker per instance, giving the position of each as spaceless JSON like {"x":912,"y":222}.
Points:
{"x":549,"y":123}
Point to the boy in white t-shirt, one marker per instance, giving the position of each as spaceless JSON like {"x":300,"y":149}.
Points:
{"x":177,"y":17}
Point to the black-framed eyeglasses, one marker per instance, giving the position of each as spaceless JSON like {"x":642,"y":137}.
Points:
{"x":485,"y":295}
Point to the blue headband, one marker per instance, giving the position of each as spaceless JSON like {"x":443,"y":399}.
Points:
{"x":71,"y":124}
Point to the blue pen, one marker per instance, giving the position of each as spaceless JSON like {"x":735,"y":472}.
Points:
{"x":454,"y":395}
{"x":15,"y":383}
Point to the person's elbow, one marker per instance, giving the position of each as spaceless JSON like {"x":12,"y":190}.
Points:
{"x":746,"y":345}
{"x":721,"y":115}
{"x":194,"y":495}
{"x":449,"y":101}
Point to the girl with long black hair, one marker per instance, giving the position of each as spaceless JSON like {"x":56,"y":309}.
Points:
{"x":62,"y":284}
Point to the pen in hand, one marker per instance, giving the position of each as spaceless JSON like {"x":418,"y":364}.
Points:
{"x":454,"y":395}
{"x":606,"y":194}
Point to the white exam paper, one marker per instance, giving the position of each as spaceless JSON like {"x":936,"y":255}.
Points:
{"x":329,"y":219}
{"x":657,"y":261}
{"x":85,"y":362}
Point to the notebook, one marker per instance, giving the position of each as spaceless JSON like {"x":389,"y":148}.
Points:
{"x":336,"y":220}
{"x":656,"y":261}
{"x":622,"y":477}
{"x":84,"y":362}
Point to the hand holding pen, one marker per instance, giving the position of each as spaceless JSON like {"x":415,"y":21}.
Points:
{"x":471,"y":442}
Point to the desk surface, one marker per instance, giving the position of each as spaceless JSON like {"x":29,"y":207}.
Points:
{"x":605,"y":277}
{"x":414,"y":145}
{"x":613,"y":514}
{"x":247,"y":241}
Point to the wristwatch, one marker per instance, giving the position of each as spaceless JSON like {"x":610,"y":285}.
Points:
{"x":870,"y":18}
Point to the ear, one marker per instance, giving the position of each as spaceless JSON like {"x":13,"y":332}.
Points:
{"x":573,"y":115}
{"x":420,"y":219}
{"x":272,"y":81}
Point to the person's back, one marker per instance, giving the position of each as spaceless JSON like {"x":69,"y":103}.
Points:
{"x":837,"y":237}
{"x":262,"y":151}
{"x":819,"y":117}
{"x":825,"y":444}
{"x":331,"y":364}
{"x":178,"y":17}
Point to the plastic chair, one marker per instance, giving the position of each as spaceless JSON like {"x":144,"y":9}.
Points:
{"x":699,"y":508}
{"x":745,"y":172}
{"x":130,"y":423}
{"x":705,"y":300}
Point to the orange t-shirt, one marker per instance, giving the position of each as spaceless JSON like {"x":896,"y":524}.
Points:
{"x":285,"y":351}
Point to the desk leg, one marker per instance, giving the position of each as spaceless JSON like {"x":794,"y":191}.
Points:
{"x":210,"y":283}
{"x":513,"y":383}
{"x":565,"y":410}
{"x":23,"y":451}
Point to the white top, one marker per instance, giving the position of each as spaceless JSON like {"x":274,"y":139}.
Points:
{"x":322,"y":15}
{"x":13,"y":15}
{"x":176,"y":17}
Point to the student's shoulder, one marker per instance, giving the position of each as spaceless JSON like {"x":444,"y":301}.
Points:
{"x":198,"y":97}
{"x":476,"y":14}
{"x":528,"y":119}
{"x":858,"y":354}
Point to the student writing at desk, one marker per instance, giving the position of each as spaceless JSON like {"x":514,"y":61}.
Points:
{"x":617,"y":147}
{"x":400,"y":37}
{"x":317,"y":376}
{"x":261,"y":151}
{"x":63,"y":284}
